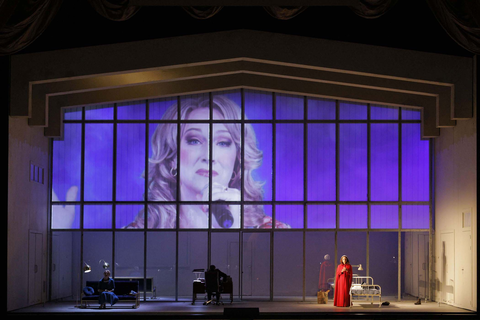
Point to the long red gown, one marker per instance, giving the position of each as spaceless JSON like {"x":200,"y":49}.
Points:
{"x":343,"y":282}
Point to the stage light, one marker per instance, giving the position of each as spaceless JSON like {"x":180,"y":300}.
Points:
{"x":105,"y":264}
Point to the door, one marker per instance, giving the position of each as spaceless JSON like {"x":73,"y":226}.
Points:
{"x":35,"y":270}
{"x":465,"y":294}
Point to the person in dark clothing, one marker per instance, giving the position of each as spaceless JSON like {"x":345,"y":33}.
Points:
{"x":212,"y":274}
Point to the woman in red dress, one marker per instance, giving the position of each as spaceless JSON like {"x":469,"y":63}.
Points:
{"x":343,"y":282}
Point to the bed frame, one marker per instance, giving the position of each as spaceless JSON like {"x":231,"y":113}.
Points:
{"x":364,"y":289}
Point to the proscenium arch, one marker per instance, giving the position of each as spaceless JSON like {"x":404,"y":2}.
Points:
{"x":47,"y":98}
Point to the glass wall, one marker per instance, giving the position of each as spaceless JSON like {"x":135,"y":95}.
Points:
{"x":265,"y":186}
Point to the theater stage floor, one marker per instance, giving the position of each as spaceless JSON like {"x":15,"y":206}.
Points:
{"x":267,"y":310}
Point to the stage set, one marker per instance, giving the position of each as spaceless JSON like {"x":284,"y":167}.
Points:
{"x":321,"y":178}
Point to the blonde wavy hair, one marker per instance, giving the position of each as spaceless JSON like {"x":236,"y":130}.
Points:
{"x":162,"y":181}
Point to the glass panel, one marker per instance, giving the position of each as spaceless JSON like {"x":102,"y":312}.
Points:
{"x":97,"y":250}
{"x":190,"y":103}
{"x":321,"y":216}
{"x":160,"y":217}
{"x":194,"y":165}
{"x":353,"y":162}
{"x":193,"y":216}
{"x":65,"y":216}
{"x":225,"y":256}
{"x":415,"y":164}
{"x":66,"y":264}
{"x":321,"y":109}
{"x":129,"y":259}
{"x":411,"y":114}
{"x":130,"y":184}
{"x":98,"y":162}
{"x":97,"y":216}
{"x":258,"y":216}
{"x":288,"y":266}
{"x":353,"y":216}
{"x":321,"y":162}
{"x":226,"y":216}
{"x":352,"y":111}
{"x":161,"y":251}
{"x":384,"y":162}
{"x":415,"y":268}
{"x":415,"y":217}
{"x":384,"y":216}
{"x":383,"y":113}
{"x":232,"y":96}
{"x":319,"y":263}
{"x":163,"y":108}
{"x":126,"y":214}
{"x":72,"y":113}
{"x":192,"y":254}
{"x":132,"y":110}
{"x":66,"y":166}
{"x":289,"y":107}
{"x":99,"y":112}
{"x":162,"y":171}
{"x":256,"y":266}
{"x":258,"y":105}
{"x":383,"y":259}
{"x":292,"y":215}
{"x":258,"y":162}
{"x":289,"y":162}
{"x":226,"y":178}
{"x":354,"y":246}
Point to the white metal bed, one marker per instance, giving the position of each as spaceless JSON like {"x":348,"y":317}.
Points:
{"x":363,"y":289}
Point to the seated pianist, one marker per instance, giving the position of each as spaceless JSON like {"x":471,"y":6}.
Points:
{"x":214,"y":279}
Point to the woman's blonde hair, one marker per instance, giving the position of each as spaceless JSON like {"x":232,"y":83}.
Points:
{"x":162,"y":180}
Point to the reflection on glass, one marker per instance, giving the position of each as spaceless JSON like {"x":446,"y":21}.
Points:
{"x":319,"y":262}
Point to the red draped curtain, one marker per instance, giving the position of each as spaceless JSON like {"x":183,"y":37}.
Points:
{"x":22,"y":22}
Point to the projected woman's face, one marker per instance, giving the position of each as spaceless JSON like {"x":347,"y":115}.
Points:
{"x":194,"y":155}
{"x":344,"y":260}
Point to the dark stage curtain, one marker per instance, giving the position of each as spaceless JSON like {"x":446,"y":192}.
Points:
{"x":118,"y":10}
{"x":461,"y":20}
{"x":202,"y":12}
{"x":22,"y":22}
{"x":371,"y":9}
{"x":284,"y":13}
